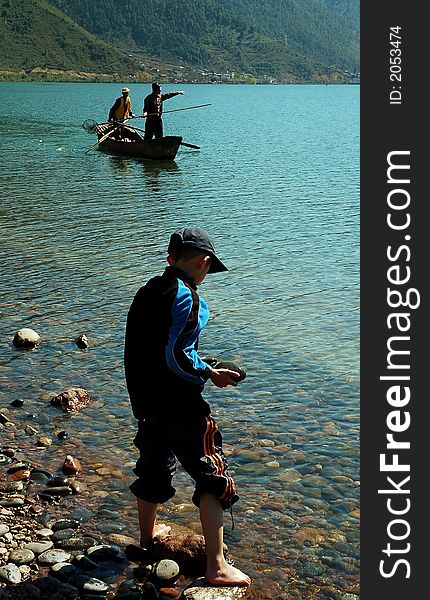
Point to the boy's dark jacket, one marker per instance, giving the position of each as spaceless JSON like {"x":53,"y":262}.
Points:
{"x":164,"y":373}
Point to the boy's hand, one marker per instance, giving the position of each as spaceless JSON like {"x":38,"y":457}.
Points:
{"x":224,"y":377}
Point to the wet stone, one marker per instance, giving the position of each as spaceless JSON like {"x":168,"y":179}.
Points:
{"x":108,"y":514}
{"x":11,"y":486}
{"x":150,"y":591}
{"x":90,"y":584}
{"x":63,"y":570}
{"x":57,"y":491}
{"x":129,"y":590}
{"x":22,"y":556}
{"x":47,"y":474}
{"x":53,"y":556}
{"x":85,"y":563}
{"x":65,"y":524}
{"x":11,"y":502}
{"x":50,"y":586}
{"x":19,"y":466}
{"x":199,"y":591}
{"x":58,"y":481}
{"x":63,"y":534}
{"x":81,"y":514}
{"x":39,"y":547}
{"x":166,"y":572}
{"x":310,"y":569}
{"x":44,"y":533}
{"x":43,"y":518}
{"x":38,"y":477}
{"x":110,"y":528}
{"x":77,"y":543}
{"x":103,"y":552}
{"x":26,"y":338}
{"x":4,"y":460}
{"x":17,"y":403}
{"x":10,"y":574}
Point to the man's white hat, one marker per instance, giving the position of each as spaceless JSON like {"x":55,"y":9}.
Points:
{"x":125,"y":90}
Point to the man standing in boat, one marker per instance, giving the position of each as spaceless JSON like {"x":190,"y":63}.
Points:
{"x":153,"y":109}
{"x":122,"y":108}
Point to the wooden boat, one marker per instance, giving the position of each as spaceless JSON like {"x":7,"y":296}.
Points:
{"x":128,"y":142}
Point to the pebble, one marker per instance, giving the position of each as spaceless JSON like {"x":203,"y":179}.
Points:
{"x":3,"y":529}
{"x":23,"y":556}
{"x":57,"y":491}
{"x":165,"y":572}
{"x":77,"y":543}
{"x":51,"y":557}
{"x":63,"y":534}
{"x":82,"y":341}
{"x":30,"y":430}
{"x":63,"y":570}
{"x":44,"y":532}
{"x":71,"y":465}
{"x":11,"y":486}
{"x":103,"y":552}
{"x":199,"y":591}
{"x":9,"y":502}
{"x":150,"y":591}
{"x":95,"y":585}
{"x":26,"y":338}
{"x":44,"y":441}
{"x":38,"y":477}
{"x":17,"y":403}
{"x":10,"y":573}
{"x":65,"y":524}
{"x":39,"y":547}
{"x":85,"y":563}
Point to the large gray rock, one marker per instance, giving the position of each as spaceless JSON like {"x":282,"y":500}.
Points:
{"x":10,"y":574}
{"x":198,"y":590}
{"x":26,"y":338}
{"x":53,"y":556}
{"x":71,"y":400}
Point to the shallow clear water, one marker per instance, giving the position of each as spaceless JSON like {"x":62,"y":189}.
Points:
{"x":276,"y":185}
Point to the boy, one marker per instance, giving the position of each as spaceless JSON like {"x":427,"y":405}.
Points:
{"x":165,"y":379}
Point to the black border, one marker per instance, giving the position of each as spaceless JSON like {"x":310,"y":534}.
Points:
{"x":389,"y":127}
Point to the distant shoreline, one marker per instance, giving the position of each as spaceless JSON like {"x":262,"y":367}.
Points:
{"x":58,"y":76}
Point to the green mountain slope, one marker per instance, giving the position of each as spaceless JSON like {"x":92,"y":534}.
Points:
{"x":315,"y":27}
{"x":199,"y":32}
{"x":349,"y":9}
{"x":33,"y":33}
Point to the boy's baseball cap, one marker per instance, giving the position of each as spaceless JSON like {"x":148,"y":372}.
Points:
{"x":195,"y":237}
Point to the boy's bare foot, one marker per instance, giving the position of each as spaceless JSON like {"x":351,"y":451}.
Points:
{"x":160,"y":531}
{"x":227,"y":575}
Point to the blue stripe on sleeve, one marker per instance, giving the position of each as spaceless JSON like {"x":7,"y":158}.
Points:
{"x":189,"y":315}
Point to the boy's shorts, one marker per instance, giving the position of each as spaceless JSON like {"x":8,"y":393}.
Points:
{"x":196,"y":442}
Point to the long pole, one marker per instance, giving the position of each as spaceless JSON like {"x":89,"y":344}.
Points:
{"x":165,"y":112}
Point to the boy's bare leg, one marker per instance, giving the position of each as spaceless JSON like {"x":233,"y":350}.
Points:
{"x":147,"y":512}
{"x":218,"y":571}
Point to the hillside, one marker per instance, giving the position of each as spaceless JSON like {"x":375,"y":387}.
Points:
{"x":205,"y":38}
{"x":35,"y":34}
{"x":349,"y":9}
{"x":204,"y":33}
{"x":322,"y":29}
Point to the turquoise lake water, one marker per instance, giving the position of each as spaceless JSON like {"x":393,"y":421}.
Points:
{"x":276,"y":183}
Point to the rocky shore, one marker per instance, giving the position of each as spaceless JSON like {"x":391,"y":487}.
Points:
{"x":53,"y":548}
{"x":49,"y":552}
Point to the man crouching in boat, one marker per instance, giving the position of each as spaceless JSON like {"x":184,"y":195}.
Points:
{"x":153,"y":107}
{"x":120,"y":111}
